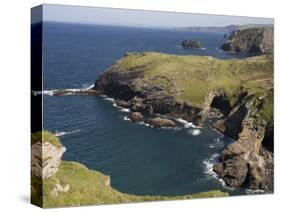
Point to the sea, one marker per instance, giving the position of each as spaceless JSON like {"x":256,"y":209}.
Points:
{"x":140,"y":159}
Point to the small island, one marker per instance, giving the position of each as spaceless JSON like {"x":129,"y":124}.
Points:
{"x":191,"y":44}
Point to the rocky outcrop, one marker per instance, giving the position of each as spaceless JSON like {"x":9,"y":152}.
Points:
{"x":246,"y":162}
{"x":45,"y":159}
{"x":136,"y":116}
{"x":193,"y":44}
{"x":122,"y":103}
{"x":161,"y":122}
{"x":252,"y":41}
{"x":59,"y":188}
{"x":140,"y":97}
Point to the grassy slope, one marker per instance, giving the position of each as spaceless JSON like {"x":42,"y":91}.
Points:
{"x":190,"y":78}
{"x":88,"y":187}
{"x":45,"y":136}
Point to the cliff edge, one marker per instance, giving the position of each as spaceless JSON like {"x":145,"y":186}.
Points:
{"x":189,"y":87}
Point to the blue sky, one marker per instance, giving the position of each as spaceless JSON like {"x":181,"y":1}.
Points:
{"x":121,"y":17}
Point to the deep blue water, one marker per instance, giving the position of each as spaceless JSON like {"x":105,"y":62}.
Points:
{"x":139,"y":159}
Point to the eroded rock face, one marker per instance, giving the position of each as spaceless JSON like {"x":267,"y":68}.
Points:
{"x":45,"y":159}
{"x":253,"y":41}
{"x":246,"y":162}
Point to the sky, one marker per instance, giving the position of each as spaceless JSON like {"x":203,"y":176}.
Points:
{"x":123,"y":17}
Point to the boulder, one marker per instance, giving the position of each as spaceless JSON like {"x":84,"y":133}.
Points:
{"x":136,"y":116}
{"x":161,"y":122}
{"x":233,"y":171}
{"x":122,"y":103}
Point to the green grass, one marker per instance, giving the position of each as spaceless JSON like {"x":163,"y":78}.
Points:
{"x":88,"y":187}
{"x":45,"y":136}
{"x":191,"y":78}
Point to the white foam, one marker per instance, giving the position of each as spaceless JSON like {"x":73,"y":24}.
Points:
{"x":145,"y":124}
{"x":58,"y":134}
{"x":126,"y":118}
{"x":194,"y":132}
{"x":217,"y":140}
{"x":250,"y":191}
{"x":87,"y":86}
{"x":45,"y":92}
{"x":185,"y":123}
{"x":109,"y":99}
{"x":126,"y":110}
{"x":209,"y":163}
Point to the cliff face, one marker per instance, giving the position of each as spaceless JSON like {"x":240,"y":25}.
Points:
{"x":46,"y":155}
{"x":252,"y":41}
{"x":189,"y":87}
{"x":247,"y":162}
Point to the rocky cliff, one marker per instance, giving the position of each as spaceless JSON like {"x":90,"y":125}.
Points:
{"x":46,"y":156}
{"x":251,"y":41}
{"x":188,"y":87}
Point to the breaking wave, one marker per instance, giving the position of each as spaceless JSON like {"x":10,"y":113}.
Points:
{"x":126,"y":118}
{"x":58,"y":134}
{"x":209,"y":163}
{"x":194,"y":132}
{"x":45,"y":92}
{"x":126,"y":110}
{"x":84,"y":87}
{"x":251,"y":192}
{"x":185,"y":123}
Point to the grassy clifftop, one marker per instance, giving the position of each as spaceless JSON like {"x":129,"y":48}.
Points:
{"x":89,"y":187}
{"x":190,"y":78}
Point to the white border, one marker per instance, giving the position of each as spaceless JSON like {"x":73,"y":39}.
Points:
{"x":15,"y":49}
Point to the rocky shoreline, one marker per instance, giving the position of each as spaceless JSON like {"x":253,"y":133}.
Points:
{"x":247,"y":162}
{"x":245,"y":112}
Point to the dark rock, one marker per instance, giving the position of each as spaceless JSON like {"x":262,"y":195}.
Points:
{"x":246,"y":162}
{"x":81,"y":92}
{"x":161,"y":122}
{"x":233,"y":171}
{"x":253,"y":41}
{"x":122,"y":103}
{"x":194,"y":44}
{"x":136,"y":116}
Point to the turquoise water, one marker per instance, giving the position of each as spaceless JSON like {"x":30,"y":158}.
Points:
{"x":139,"y":159}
